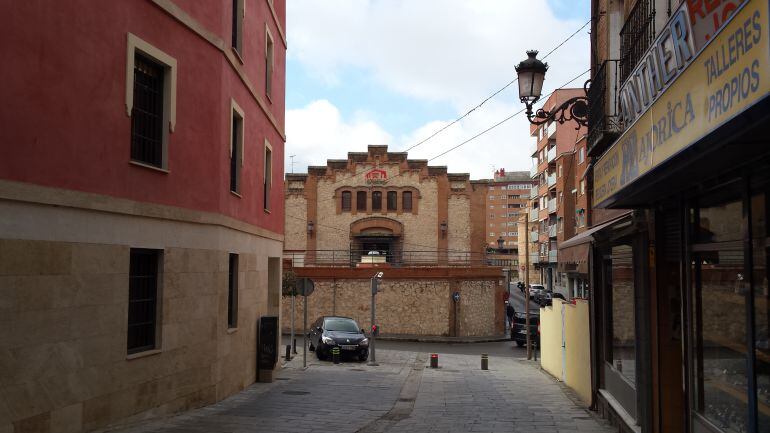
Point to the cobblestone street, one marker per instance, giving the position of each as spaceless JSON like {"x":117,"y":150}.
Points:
{"x":400,"y":395}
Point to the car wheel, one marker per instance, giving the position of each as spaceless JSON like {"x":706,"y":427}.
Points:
{"x":320,"y":355}
{"x":520,"y":343}
{"x":363,"y":358}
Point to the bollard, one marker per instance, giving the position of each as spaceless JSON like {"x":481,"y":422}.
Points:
{"x":288,"y":352}
{"x":336,"y":355}
{"x":294,"y":347}
{"x":484,"y":361}
{"x":434,"y":360}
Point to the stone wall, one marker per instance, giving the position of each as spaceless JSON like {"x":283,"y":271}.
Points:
{"x":459,"y":223}
{"x":407,"y":306}
{"x":63,"y":318}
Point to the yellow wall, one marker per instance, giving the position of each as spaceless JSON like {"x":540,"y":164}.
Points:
{"x":550,"y":339}
{"x":577,"y":345}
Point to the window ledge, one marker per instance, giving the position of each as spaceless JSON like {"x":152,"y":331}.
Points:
{"x":232,"y":330}
{"x":144,"y":354}
{"x":237,"y":54}
{"x":235,"y":194}
{"x":151,"y":167}
{"x":267,"y":211}
{"x":269,"y":98}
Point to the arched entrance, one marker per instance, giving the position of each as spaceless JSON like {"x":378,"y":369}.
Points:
{"x":378,"y":237}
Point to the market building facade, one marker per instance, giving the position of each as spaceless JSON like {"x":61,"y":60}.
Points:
{"x":678,"y":111}
{"x":422,"y":226}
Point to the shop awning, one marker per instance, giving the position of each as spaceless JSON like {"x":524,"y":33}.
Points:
{"x":587,"y":236}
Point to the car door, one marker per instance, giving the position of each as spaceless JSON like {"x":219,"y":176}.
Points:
{"x":314,"y":335}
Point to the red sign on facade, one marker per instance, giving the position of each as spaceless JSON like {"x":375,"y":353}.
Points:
{"x":376,"y":176}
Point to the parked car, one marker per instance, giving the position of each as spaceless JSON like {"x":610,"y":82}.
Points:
{"x":548,"y":298}
{"x":333,"y":331}
{"x":518,"y":331}
{"x":534,"y":289}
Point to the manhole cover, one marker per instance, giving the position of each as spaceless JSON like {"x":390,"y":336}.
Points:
{"x":296,"y":392}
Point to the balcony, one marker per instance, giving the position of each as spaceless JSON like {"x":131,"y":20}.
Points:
{"x":533,"y":214}
{"x":533,"y":147}
{"x":550,"y":131}
{"x":533,"y":192}
{"x":551,"y":180}
{"x":533,"y":236}
{"x":552,"y":256}
{"x":603,"y":107}
{"x":552,"y":205}
{"x":551,"y":154}
{"x":534,"y":258}
{"x":637,"y":34}
{"x":552,"y":231}
{"x":533,"y":171}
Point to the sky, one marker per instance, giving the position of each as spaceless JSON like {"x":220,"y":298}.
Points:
{"x":393,"y":72}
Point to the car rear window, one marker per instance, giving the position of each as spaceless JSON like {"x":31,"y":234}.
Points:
{"x":343,"y":325}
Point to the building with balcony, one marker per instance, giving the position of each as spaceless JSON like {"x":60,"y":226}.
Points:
{"x":423,"y":227}
{"x":550,"y":209}
{"x":141,"y":236}
{"x":679,"y":286}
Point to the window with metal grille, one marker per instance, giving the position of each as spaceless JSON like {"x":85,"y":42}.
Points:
{"x":637,"y":34}
{"x":268,"y":176}
{"x":406,"y":201}
{"x":392,"y":199}
{"x":143,"y":299}
{"x":361,"y":200}
{"x":268,"y":63}
{"x":237,"y":29}
{"x":232,"y":292}
{"x":147,"y":111}
{"x":376,"y":200}
{"x":235,"y":152}
{"x":347,"y":198}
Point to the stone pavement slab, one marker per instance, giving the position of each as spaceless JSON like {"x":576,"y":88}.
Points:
{"x":399,"y":395}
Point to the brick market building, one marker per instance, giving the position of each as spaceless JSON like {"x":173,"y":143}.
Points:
{"x":140,"y":236}
{"x":421,"y":225}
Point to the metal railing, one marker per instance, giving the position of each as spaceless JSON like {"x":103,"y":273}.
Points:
{"x":395,"y":258}
{"x":637,"y":34}
{"x":603,"y":119}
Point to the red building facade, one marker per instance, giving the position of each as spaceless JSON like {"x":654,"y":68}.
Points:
{"x":141,"y":169}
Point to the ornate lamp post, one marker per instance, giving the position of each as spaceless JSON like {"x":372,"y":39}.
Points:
{"x":531,"y":76}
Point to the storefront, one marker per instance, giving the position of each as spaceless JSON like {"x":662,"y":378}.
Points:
{"x":682,"y":307}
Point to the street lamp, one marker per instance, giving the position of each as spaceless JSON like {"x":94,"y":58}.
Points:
{"x":531,"y":74}
{"x":375,"y":282}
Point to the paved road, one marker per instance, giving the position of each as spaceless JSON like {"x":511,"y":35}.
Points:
{"x":399,"y":395}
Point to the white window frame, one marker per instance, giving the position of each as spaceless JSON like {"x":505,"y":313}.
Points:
{"x":134,"y":44}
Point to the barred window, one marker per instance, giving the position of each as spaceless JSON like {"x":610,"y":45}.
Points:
{"x":147,"y":111}
{"x":347,"y":198}
{"x":392,"y":199}
{"x":376,"y":200}
{"x":361,"y":201}
{"x":143,"y":300}
{"x":406,"y":201}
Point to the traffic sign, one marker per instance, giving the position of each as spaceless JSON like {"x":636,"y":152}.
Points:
{"x":306,"y":286}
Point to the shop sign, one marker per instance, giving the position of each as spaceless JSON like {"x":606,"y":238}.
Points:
{"x":727,"y":76}
{"x":376,"y":176}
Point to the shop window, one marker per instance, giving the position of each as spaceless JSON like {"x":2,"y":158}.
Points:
{"x":143,"y":288}
{"x":376,"y":201}
{"x":720,"y":288}
{"x":361,"y":201}
{"x":622,"y":313}
{"x":406,"y":199}
{"x":232,"y":292}
{"x":392,"y":200}
{"x":347,"y":198}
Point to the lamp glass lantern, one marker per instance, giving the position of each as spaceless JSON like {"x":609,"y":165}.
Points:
{"x":531,"y":74}
{"x":500,"y":243}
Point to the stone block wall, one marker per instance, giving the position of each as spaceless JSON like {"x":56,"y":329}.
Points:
{"x":63,"y":327}
{"x":416,"y":306}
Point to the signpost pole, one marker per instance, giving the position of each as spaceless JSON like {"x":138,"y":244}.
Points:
{"x":375,"y":287}
{"x":526,"y":286}
{"x":292,"y":342}
{"x":304,"y":333}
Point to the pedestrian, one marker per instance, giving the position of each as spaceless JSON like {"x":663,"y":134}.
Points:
{"x":509,"y":312}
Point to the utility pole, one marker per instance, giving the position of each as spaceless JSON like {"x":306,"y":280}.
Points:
{"x":304,"y":334}
{"x":375,"y":287}
{"x":293,"y":343}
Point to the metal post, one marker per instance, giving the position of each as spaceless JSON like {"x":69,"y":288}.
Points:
{"x":304,"y":334}
{"x":293,"y":342}
{"x":372,"y":357}
{"x":526,"y":285}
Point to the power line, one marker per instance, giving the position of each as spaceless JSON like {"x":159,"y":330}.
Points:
{"x":471,"y":138}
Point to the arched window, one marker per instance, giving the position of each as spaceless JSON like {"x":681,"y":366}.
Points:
{"x":361,"y":201}
{"x":347,"y":199}
{"x":392,"y":199}
{"x":376,"y":201}
{"x":406,"y":201}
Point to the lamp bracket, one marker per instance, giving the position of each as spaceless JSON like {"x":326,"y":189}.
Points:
{"x":572,"y":109}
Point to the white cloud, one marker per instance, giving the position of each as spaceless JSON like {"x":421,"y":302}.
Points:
{"x":448,"y":51}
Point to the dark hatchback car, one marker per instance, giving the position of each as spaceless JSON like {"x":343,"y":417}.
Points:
{"x":331,"y":331}
{"x":518,"y":332}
